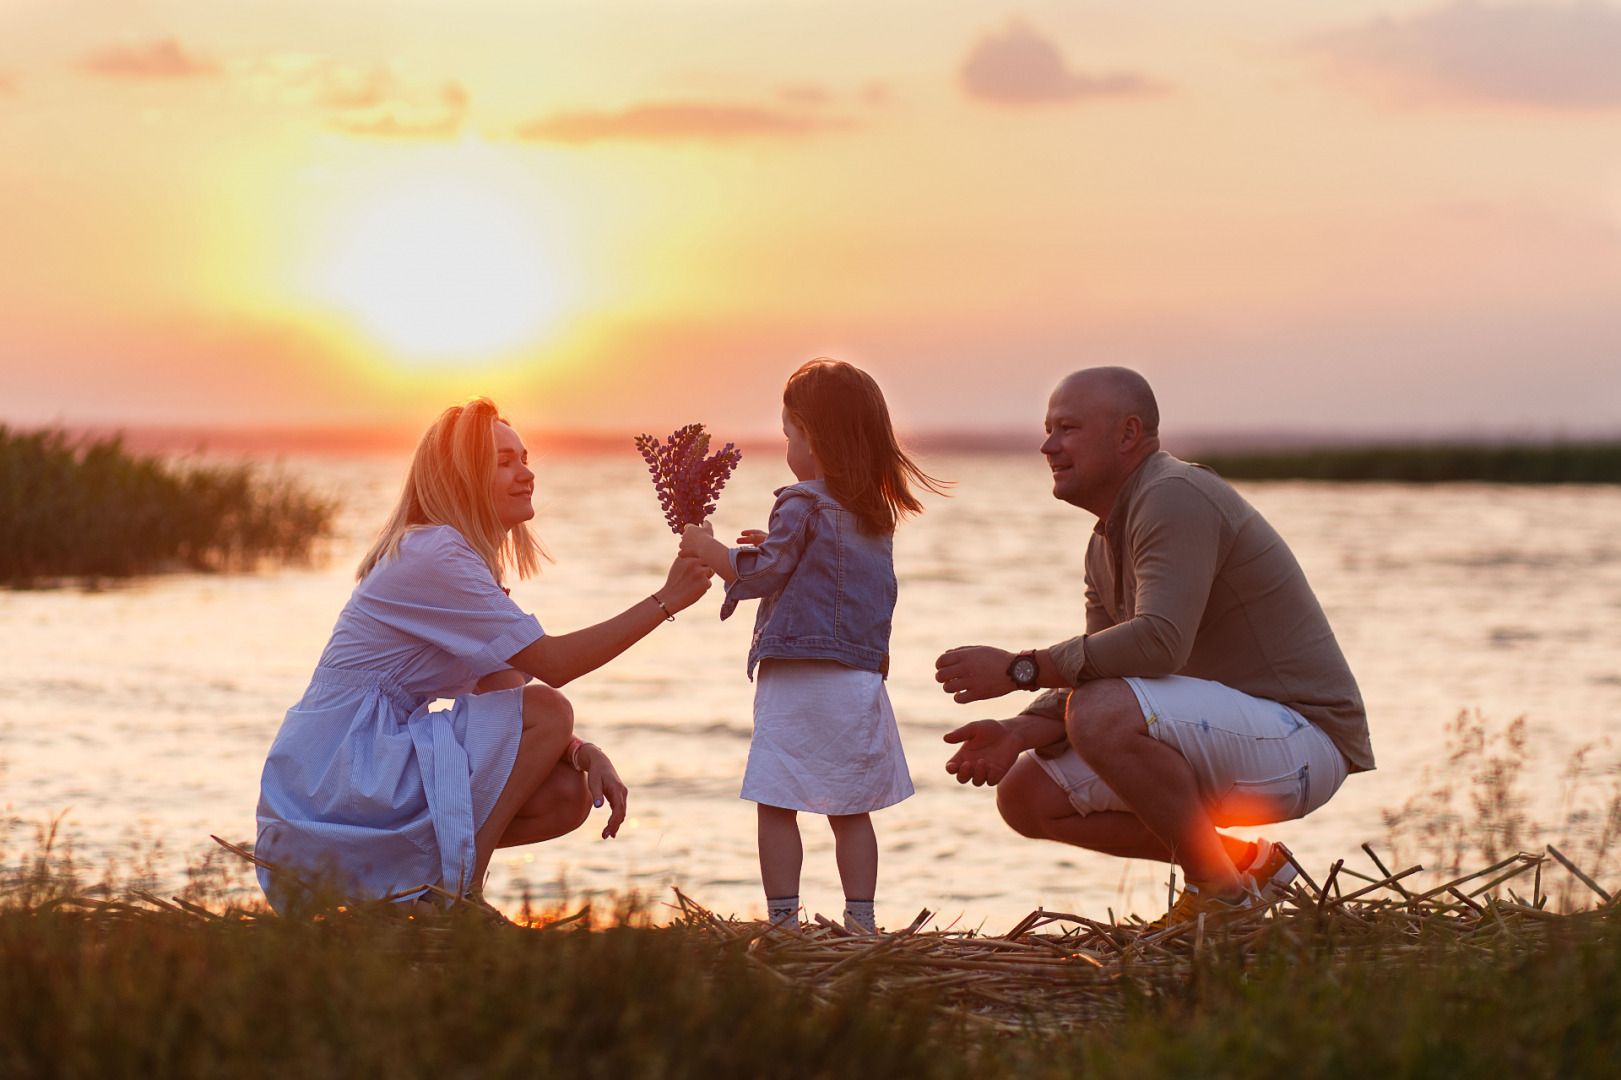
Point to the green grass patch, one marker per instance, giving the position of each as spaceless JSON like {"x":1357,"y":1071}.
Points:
{"x":144,"y":987}
{"x":95,"y":510}
{"x":1561,"y":463}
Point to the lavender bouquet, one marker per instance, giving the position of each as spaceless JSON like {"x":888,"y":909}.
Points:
{"x":687,"y":482}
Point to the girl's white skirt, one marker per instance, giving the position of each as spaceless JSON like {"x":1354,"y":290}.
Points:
{"x":825,"y":740}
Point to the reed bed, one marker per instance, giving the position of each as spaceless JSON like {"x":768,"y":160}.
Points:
{"x":1055,"y":971}
{"x":1558,"y":463}
{"x":93,"y":510}
{"x":1358,"y":971}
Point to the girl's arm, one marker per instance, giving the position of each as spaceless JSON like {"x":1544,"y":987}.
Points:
{"x":698,"y":542}
{"x":558,"y":659}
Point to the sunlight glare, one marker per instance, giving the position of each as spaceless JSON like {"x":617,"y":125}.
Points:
{"x":446,"y":270}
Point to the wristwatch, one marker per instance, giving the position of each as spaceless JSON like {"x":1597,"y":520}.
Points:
{"x":1024,"y":671}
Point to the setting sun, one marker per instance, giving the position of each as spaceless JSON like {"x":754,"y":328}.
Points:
{"x":445,"y":270}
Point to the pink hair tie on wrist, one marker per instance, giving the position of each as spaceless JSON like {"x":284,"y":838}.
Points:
{"x":571,"y":753}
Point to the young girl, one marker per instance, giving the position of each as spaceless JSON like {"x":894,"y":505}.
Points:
{"x":825,"y":739}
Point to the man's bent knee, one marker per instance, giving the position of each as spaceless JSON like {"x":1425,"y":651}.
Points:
{"x":1028,"y":799}
{"x":1100,"y":711}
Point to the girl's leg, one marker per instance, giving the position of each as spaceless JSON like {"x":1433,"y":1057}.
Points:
{"x":782,"y":854}
{"x":855,"y":845}
{"x":548,"y":725}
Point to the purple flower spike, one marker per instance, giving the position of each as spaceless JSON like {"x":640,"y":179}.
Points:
{"x":687,"y":482}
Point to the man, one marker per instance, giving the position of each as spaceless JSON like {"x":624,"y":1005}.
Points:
{"x":1207,"y":691}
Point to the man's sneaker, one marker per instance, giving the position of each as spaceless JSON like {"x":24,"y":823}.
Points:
{"x":1272,"y":870}
{"x":1192,"y":904}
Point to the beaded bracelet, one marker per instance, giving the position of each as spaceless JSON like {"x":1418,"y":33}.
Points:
{"x":669,"y":616}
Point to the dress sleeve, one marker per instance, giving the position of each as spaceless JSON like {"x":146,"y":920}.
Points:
{"x":440,"y":591}
{"x":763,"y":570}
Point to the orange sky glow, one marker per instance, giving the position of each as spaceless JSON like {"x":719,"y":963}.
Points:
{"x":1343,"y":217}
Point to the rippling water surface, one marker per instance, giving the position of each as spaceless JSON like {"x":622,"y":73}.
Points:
{"x":141,"y":714}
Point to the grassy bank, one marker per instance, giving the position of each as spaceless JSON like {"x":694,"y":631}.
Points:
{"x":1563,"y":463}
{"x":1332,"y":984}
{"x":95,"y":510}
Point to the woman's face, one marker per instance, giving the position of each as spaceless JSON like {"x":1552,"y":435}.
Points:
{"x":514,"y":489}
{"x":800,"y":459}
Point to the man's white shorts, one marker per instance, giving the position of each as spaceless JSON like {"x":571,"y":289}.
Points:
{"x":1256,"y":761}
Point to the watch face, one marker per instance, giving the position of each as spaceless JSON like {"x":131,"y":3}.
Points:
{"x":1025,"y":671}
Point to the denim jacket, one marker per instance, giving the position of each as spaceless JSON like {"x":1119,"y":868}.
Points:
{"x":826,"y":588}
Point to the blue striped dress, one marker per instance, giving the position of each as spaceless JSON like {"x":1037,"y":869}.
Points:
{"x":364,"y":788}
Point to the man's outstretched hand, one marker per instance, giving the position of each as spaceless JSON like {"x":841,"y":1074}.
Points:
{"x":974,"y":673}
{"x":987,"y":752}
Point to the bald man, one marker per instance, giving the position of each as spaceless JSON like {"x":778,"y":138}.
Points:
{"x":1207,"y":691}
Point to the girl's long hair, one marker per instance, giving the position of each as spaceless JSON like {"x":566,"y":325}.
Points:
{"x":450,"y":483}
{"x":842,"y":412}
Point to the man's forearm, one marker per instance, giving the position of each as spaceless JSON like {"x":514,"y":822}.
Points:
{"x":1032,"y":731}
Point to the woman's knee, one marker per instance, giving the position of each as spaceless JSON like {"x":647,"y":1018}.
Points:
{"x":545,"y":706}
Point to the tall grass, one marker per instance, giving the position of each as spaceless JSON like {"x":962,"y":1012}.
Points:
{"x":1560,"y":463}
{"x":97,"y":510}
{"x":164,"y":993}
{"x":88,"y":991}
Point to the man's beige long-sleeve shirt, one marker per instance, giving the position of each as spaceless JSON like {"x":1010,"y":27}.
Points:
{"x":1186,"y":578}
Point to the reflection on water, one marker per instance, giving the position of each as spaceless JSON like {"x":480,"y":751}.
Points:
{"x":144,"y":711}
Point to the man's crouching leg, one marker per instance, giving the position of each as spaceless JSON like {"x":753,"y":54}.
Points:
{"x":1106,"y":728}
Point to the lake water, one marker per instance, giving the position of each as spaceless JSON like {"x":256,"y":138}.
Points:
{"x":141,"y":714}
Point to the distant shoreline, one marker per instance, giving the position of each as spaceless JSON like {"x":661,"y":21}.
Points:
{"x":1235,"y":455}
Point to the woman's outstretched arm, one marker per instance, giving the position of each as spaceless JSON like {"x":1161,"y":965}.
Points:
{"x":558,"y":659}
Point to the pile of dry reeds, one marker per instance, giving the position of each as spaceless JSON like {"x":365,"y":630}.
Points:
{"x":1054,"y":969}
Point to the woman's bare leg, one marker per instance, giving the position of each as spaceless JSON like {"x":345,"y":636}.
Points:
{"x":782,"y":853}
{"x":548,"y":725}
{"x":855,"y":846}
{"x":558,"y":807}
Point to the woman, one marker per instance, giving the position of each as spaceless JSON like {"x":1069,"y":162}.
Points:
{"x":368,"y":792}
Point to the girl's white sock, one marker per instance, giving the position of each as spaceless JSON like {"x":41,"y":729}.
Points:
{"x":860,"y":913}
{"x":782,"y":909}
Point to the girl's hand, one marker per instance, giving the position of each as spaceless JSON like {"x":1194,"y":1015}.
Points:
{"x":602,"y":779}
{"x":687,"y":580}
{"x":752,"y":537}
{"x":693,"y":539}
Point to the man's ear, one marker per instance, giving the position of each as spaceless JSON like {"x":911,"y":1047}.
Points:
{"x":1131,"y":432}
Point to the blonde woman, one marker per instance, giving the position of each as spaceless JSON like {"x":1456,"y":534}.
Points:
{"x":366,"y":790}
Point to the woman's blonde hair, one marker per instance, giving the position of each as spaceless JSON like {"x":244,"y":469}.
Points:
{"x":451,"y":483}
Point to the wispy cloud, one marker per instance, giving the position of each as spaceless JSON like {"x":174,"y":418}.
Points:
{"x":672,"y":121}
{"x":164,"y":59}
{"x":368,"y":101}
{"x":1558,"y":56}
{"x":440,"y":118}
{"x":1018,"y":65}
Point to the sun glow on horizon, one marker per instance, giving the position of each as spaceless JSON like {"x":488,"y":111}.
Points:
{"x":445,"y":269}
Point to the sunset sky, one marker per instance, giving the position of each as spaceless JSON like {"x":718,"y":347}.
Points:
{"x":1338,"y":216}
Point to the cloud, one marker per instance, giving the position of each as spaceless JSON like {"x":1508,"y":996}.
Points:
{"x":164,"y":59}
{"x":370,"y":102}
{"x":671,"y":121}
{"x":1557,"y":56}
{"x":440,"y":118}
{"x":1019,"y":66}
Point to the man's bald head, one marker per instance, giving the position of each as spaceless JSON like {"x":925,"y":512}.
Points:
{"x":1123,"y":391}
{"x":1102,"y":423}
